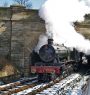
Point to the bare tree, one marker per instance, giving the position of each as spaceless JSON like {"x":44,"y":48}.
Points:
{"x":26,"y":3}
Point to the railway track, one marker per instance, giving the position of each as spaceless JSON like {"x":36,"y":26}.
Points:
{"x":56,"y":87}
{"x":18,"y":86}
{"x":70,"y":86}
{"x":42,"y":87}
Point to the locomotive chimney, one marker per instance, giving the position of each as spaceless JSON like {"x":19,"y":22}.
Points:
{"x":50,"y":41}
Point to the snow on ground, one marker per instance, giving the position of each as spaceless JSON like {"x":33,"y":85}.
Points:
{"x":71,"y":85}
{"x":88,"y":89}
{"x":61,"y":84}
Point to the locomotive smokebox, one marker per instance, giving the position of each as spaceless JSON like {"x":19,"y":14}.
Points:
{"x":47,"y":51}
{"x":50,"y":41}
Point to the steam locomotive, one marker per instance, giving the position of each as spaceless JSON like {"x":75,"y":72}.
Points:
{"x":53,"y":61}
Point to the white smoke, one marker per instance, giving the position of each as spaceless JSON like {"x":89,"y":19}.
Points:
{"x":87,"y":2}
{"x":59,"y":16}
{"x":43,"y":39}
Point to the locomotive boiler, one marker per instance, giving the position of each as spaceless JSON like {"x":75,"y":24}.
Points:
{"x":52,"y":61}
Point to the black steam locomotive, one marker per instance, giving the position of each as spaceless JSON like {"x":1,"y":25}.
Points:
{"x":53,"y":61}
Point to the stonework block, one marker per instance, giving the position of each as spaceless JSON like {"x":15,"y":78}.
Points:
{"x":20,"y":29}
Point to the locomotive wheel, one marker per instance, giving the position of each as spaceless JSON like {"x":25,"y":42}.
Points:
{"x":44,"y":77}
{"x":40,"y":77}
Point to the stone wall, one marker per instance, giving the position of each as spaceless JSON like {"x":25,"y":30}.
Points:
{"x":20,"y":29}
{"x":84,"y":29}
{"x":5,"y":29}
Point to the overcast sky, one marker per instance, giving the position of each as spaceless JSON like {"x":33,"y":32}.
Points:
{"x":36,"y":4}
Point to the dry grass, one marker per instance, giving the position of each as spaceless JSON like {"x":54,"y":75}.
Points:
{"x":6,"y":68}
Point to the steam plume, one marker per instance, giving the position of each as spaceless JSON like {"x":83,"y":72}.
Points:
{"x":59,"y":16}
{"x":42,"y":41}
